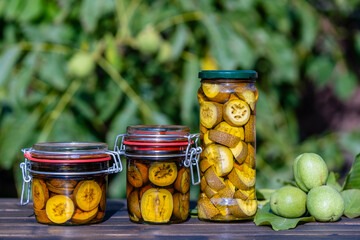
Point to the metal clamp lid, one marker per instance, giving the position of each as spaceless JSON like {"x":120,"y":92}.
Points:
{"x":27,"y":171}
{"x":191,"y":154}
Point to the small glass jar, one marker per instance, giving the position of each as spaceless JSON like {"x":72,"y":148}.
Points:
{"x":227,"y":125}
{"x":158,"y":173}
{"x":68,"y":181}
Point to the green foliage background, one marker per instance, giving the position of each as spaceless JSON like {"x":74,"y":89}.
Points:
{"x":84,"y":70}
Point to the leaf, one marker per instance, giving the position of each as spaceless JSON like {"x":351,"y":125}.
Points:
{"x":264,"y":194}
{"x":345,"y":85}
{"x":320,"y":69}
{"x":351,"y":198}
{"x":265,"y":217}
{"x":125,"y":117}
{"x":47,"y":32}
{"x":218,"y":39}
{"x":332,"y":180}
{"x":353,"y":178}
{"x":31,"y":10}
{"x":52,"y":70}
{"x":13,"y":9}
{"x":178,"y":41}
{"x":189,"y":90}
{"x":350,"y":141}
{"x":90,"y":13}
{"x":20,"y":81}
{"x":21,"y":124}
{"x":7,"y":61}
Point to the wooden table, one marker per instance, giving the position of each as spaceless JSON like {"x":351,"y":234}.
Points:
{"x":19,"y":222}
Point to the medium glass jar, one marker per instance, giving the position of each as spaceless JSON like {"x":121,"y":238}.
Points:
{"x":68,"y":181}
{"x":158,"y":173}
{"x":227,"y":125}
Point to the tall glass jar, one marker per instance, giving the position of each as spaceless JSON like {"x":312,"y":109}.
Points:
{"x":68,"y":181}
{"x":160,"y":163}
{"x":227,"y":124}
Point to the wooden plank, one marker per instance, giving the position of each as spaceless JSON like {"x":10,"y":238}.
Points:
{"x":19,"y":222}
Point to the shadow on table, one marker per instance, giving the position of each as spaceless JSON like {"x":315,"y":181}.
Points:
{"x":112,"y":207}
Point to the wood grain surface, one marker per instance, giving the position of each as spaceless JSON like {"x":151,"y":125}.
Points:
{"x":18,"y":222}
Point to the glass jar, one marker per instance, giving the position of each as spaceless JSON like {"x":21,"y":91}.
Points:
{"x":227,"y":124}
{"x":68,"y":181}
{"x":158,"y":173}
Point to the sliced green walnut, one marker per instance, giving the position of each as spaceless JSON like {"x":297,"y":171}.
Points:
{"x":157,"y":205}
{"x":249,"y":97}
{"x":215,"y":92}
{"x":243,"y":177}
{"x":220,"y":157}
{"x":210,"y":113}
{"x":240,"y":152}
{"x":250,"y":130}
{"x":223,"y":138}
{"x":163,"y":173}
{"x":236,"y":112}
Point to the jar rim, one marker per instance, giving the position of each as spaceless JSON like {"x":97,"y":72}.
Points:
{"x":69,"y":146}
{"x":157,"y":130}
{"x":229,"y":74}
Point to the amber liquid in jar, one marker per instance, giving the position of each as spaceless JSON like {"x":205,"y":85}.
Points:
{"x":228,"y":139}
{"x":158,"y":182}
{"x":158,"y":191}
{"x":64,"y":201}
{"x":61,"y":197}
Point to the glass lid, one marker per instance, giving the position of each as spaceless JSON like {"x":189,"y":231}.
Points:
{"x":69,"y":146}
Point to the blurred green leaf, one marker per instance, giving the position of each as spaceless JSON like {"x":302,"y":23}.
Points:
{"x":7,"y":62}
{"x":333,"y":181}
{"x":123,"y":118}
{"x":90,"y":13}
{"x":32,"y":10}
{"x":19,"y":84}
{"x":189,"y":90}
{"x":350,"y":141}
{"x":2,"y":6}
{"x":320,"y":69}
{"x":178,"y":41}
{"x":345,"y":85}
{"x":112,"y":52}
{"x":53,"y":70}
{"x":13,"y":9}
{"x":107,"y":101}
{"x":353,"y":178}
{"x":21,"y":124}
{"x":351,"y":199}
{"x":309,"y":23}
{"x":46,"y":32}
{"x":264,"y":194}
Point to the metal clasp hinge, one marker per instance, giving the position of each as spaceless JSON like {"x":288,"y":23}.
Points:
{"x":192,"y":157}
{"x":25,"y":166}
{"x":117,"y":166}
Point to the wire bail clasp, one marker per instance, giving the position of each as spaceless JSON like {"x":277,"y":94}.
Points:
{"x":25,"y":166}
{"x":117,"y":166}
{"x":192,"y":157}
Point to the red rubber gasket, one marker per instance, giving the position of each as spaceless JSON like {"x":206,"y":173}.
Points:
{"x":28,"y":156}
{"x":132,"y":143}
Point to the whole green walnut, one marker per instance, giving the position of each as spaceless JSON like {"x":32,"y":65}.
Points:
{"x":310,"y":171}
{"x":81,"y":65}
{"x":325,"y":203}
{"x":148,"y":40}
{"x":289,"y":202}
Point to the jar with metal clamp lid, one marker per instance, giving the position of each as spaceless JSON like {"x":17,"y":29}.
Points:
{"x":161,"y":159}
{"x":68,"y":181}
